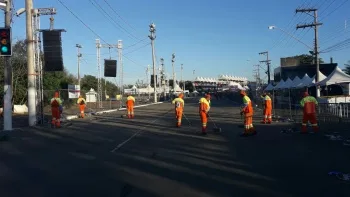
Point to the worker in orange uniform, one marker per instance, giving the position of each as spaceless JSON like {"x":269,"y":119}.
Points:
{"x":309,"y":104}
{"x":179,"y":108}
{"x":82,"y":104}
{"x":248,"y":112}
{"x":267,"y":109}
{"x":204,"y":107}
{"x":56,"y":104}
{"x":130,"y":102}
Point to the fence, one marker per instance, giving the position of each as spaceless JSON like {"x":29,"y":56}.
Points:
{"x":326,"y":112}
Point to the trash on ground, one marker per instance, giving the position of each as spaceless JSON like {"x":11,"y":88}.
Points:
{"x":335,"y":137}
{"x":340,"y":175}
{"x":291,"y":130}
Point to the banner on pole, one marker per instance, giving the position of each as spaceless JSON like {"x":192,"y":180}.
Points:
{"x":73,"y":91}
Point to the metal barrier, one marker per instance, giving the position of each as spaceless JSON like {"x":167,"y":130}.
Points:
{"x":326,"y":112}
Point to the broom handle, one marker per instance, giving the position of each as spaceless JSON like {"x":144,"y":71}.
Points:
{"x":213,"y":122}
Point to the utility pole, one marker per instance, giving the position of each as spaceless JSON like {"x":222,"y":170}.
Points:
{"x":315,"y":25}
{"x":121,"y":74}
{"x":79,"y":56}
{"x":257,"y":79}
{"x":99,"y":74}
{"x":182,"y":67}
{"x":7,"y":108}
{"x":267,"y":61}
{"x":194,"y":78}
{"x":172,"y":63}
{"x":152,"y":29}
{"x":163,"y":75}
{"x":148,"y":80}
{"x":30,"y":64}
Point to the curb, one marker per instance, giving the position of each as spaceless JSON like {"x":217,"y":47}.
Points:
{"x":71,"y":117}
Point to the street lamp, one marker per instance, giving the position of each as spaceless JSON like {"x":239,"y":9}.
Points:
{"x":291,"y":35}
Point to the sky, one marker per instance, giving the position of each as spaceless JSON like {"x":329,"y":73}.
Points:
{"x":210,"y":37}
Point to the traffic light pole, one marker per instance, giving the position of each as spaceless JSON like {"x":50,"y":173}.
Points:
{"x":7,"y":104}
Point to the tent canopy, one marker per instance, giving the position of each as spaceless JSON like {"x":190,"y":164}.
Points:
{"x":336,"y":77}
{"x":279,"y":85}
{"x":288,"y":83}
{"x":296,"y":82}
{"x":269,"y":87}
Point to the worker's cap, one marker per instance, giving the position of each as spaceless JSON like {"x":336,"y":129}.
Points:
{"x":242,"y":92}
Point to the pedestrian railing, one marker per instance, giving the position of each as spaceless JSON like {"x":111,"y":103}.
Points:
{"x":326,"y":112}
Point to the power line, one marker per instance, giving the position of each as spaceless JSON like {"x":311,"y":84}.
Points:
{"x":81,"y":20}
{"x":119,"y":15}
{"x":137,"y":49}
{"x":111,"y":18}
{"x":334,"y":10}
{"x":135,"y":43}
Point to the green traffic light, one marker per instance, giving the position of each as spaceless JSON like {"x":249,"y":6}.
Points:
{"x":4,"y":49}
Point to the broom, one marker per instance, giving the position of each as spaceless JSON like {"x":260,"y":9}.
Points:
{"x":215,"y":129}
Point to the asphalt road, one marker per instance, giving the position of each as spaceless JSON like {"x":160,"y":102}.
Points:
{"x":107,"y":155}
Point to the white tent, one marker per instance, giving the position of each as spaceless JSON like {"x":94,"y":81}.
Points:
{"x":320,"y":76}
{"x":336,"y":77}
{"x":235,"y":84}
{"x":279,"y":85}
{"x":296,"y":82}
{"x":269,"y":87}
{"x":288,"y":84}
{"x":305,"y":81}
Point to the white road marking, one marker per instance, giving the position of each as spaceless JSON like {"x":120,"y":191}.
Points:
{"x":137,"y":132}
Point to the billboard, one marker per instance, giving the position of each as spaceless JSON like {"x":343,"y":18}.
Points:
{"x":73,"y":91}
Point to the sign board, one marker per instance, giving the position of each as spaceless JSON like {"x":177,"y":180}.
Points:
{"x":73,"y":91}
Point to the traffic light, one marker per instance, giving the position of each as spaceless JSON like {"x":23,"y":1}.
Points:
{"x":5,"y":42}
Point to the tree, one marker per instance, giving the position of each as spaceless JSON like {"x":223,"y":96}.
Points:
{"x":347,"y":68}
{"x":307,"y":59}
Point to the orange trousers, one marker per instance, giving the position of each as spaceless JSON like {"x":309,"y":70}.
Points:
{"x":178,"y":115}
{"x":56,"y":116}
{"x":248,"y":123}
{"x":204,"y":121}
{"x":130,"y":109}
{"x":267,"y":115}
{"x":82,"y":110}
{"x":309,"y":118}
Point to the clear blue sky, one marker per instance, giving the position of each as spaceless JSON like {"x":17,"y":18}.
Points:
{"x":211,"y":37}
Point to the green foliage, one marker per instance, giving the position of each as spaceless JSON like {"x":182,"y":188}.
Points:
{"x":89,"y":81}
{"x":307,"y":59}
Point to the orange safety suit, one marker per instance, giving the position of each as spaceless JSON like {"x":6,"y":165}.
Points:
{"x":130,"y":102}
{"x":267,"y":110}
{"x":309,"y":104}
{"x":56,"y":102}
{"x":248,"y":114}
{"x":179,"y":107}
{"x":82,"y":104}
{"x":204,"y":107}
